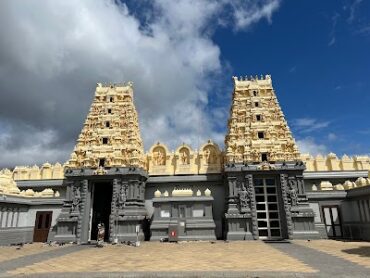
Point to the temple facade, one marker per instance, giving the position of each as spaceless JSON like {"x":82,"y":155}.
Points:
{"x":258,"y":187}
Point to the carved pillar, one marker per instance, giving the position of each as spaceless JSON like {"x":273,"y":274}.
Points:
{"x":250,"y":188}
{"x":232,"y":206}
{"x":284,"y":193}
{"x":83,"y":187}
{"x":114,"y":210}
{"x":300,"y":185}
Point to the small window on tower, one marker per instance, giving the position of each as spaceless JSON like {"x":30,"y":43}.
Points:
{"x":109,"y":111}
{"x":255,"y":93}
{"x":107,"y":124}
{"x":256,"y":104}
{"x":261,"y":135}
{"x":105,"y":140}
{"x":111,"y":99}
{"x":258,"y":118}
{"x":264,"y":156}
{"x":101,"y":162}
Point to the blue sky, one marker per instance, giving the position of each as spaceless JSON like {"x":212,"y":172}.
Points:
{"x":181,"y":55}
{"x":318,"y":53}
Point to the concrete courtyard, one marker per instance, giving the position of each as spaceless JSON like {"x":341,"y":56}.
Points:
{"x":298,"y":258}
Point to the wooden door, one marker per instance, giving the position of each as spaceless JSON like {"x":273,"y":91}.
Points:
{"x":42,"y":226}
{"x":332,"y":221}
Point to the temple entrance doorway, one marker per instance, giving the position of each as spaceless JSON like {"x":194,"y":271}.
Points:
{"x":267,"y":205}
{"x":101,"y":208}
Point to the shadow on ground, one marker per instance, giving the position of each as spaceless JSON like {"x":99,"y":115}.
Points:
{"x":363,"y":251}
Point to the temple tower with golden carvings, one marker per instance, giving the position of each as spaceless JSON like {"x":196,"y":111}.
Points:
{"x":257,"y":129}
{"x":264,"y":172}
{"x":106,"y":173}
{"x":110,"y":136}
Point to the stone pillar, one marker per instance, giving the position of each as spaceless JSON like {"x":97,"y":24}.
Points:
{"x":238,"y":216}
{"x":232,"y":207}
{"x":113,"y":225}
{"x":67,"y":222}
{"x":83,"y":187}
{"x":128,"y":208}
{"x":252,"y":196}
{"x":284,"y":194}
{"x":299,"y":216}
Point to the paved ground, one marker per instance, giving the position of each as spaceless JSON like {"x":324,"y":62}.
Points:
{"x":323,"y":258}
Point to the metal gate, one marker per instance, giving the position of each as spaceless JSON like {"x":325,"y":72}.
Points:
{"x":267,"y":205}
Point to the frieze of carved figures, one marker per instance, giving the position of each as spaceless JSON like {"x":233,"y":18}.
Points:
{"x":292,"y":191}
{"x":76,"y":199}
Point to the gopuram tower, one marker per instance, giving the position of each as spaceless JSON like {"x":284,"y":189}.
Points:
{"x":266,"y":194}
{"x":105,"y":175}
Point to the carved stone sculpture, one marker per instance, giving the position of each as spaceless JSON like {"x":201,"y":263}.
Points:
{"x":184,"y":157}
{"x":122,"y":196}
{"x":244,"y":198}
{"x":292,"y":192}
{"x":76,"y":199}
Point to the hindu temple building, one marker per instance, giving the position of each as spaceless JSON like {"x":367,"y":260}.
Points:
{"x":258,"y":187}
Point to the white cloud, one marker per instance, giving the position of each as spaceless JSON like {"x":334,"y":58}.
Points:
{"x":249,"y":12}
{"x":352,"y":10}
{"x":332,"y":136}
{"x":334,"y":22}
{"x":52,"y":53}
{"x":305,"y":125}
{"x":309,"y":145}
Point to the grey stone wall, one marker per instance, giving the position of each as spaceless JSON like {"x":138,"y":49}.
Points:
{"x":17,"y":235}
{"x":356,"y":214}
{"x":18,"y":215}
{"x":200,"y":182}
{"x":196,"y":223}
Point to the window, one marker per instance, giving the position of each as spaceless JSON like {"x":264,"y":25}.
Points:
{"x":256,"y":104}
{"x":105,"y":140}
{"x":101,"y":162}
{"x":109,"y":111}
{"x":107,"y":124}
{"x":264,"y":156}
{"x":261,"y":135}
{"x":255,"y":93}
{"x":111,"y":99}
{"x":258,"y":118}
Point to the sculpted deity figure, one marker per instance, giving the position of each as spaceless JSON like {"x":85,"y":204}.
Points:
{"x":159,"y":158}
{"x":122,"y":197}
{"x":74,"y":156}
{"x":184,"y":157}
{"x":76,"y":199}
{"x":292,"y":192}
{"x":208,"y":155}
{"x":244,"y":198}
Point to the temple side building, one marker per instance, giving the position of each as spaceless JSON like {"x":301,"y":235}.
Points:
{"x":258,"y":187}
